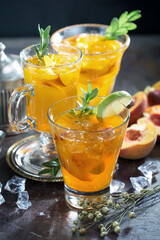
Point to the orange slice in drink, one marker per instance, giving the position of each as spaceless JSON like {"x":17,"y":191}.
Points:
{"x":68,"y":77}
{"x":48,"y":61}
{"x":41,"y":72}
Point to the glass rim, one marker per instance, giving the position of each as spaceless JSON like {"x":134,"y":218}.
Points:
{"x":45,"y":67}
{"x":82,"y":131}
{"x":125,"y":44}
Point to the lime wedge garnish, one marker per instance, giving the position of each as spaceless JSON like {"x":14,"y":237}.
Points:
{"x":113,"y":104}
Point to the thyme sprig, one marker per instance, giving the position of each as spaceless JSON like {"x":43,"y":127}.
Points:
{"x":44,"y":40}
{"x":52,"y":167}
{"x":122,"y":25}
{"x":108,"y":212}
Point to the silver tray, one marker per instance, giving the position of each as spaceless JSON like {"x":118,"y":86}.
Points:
{"x":22,"y":167}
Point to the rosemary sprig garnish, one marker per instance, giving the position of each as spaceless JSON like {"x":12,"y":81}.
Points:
{"x":44,"y":40}
{"x":52,"y":167}
{"x":88,"y":96}
{"x":85,"y":109}
{"x":109,"y":211}
{"x":122,"y":25}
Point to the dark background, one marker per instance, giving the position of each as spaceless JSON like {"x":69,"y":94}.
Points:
{"x":19,"y":18}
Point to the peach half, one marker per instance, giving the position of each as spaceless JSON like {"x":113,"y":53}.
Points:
{"x":139,"y":140}
{"x":137,"y":107}
{"x":153,"y":114}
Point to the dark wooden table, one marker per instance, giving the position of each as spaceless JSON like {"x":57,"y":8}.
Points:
{"x":140,"y":67}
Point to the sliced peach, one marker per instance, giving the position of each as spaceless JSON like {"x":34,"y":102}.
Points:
{"x":139,"y":140}
{"x":154,"y":116}
{"x":138,"y":106}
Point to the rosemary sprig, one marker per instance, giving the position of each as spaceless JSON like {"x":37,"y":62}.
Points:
{"x":109,"y":212}
{"x":52,"y":167}
{"x":85,"y":109}
{"x":122,"y":25}
{"x":44,"y":40}
{"x":88,"y":96}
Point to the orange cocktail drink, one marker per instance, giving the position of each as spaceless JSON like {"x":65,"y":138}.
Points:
{"x":87,"y":147}
{"x":53,"y":78}
{"x":102,"y":57}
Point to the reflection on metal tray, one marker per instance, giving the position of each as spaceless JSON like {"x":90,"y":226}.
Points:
{"x":17,"y":159}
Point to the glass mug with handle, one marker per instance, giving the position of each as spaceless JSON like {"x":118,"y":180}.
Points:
{"x":47,"y":82}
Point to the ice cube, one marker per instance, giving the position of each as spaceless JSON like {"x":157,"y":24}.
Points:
{"x":15,"y":184}
{"x":148,"y":169}
{"x":116,"y":186}
{"x":1,"y":185}
{"x":116,"y":168}
{"x":23,"y":200}
{"x":2,"y":200}
{"x":41,"y":214}
{"x":139,"y":183}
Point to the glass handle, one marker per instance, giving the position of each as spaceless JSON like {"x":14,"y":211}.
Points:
{"x":27,"y":123}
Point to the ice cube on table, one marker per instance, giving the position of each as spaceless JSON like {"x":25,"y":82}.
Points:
{"x":139,"y":183}
{"x":2,"y":200}
{"x":148,"y":169}
{"x":116,"y":186}
{"x":41,"y":214}
{"x":23,"y":200}
{"x":16,"y":184}
{"x":116,"y":168}
{"x":1,"y":185}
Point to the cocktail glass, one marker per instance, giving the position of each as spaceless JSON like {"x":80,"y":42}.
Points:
{"x":44,"y":86}
{"x":99,"y":68}
{"x":87,"y":158}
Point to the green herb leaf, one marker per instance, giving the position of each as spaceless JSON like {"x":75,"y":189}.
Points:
{"x":89,"y":88}
{"x":86,"y":110}
{"x":44,"y":40}
{"x":130,"y":26}
{"x":54,"y":171}
{"x":114,"y":24}
{"x":47,"y":170}
{"x":122,"y":25}
{"x":121,"y":31}
{"x":123,"y":18}
{"x":84,"y":103}
{"x":47,"y":31}
{"x":88,"y":96}
{"x":93,"y":94}
{"x":53,"y":167}
{"x":52,"y":163}
{"x":134,"y":15}
{"x":85,"y":93}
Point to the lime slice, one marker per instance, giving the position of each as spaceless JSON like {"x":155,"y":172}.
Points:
{"x":113,"y":104}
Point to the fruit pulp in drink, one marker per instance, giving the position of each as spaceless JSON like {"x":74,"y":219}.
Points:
{"x":88,"y":149}
{"x":101,"y":61}
{"x":51,"y":83}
